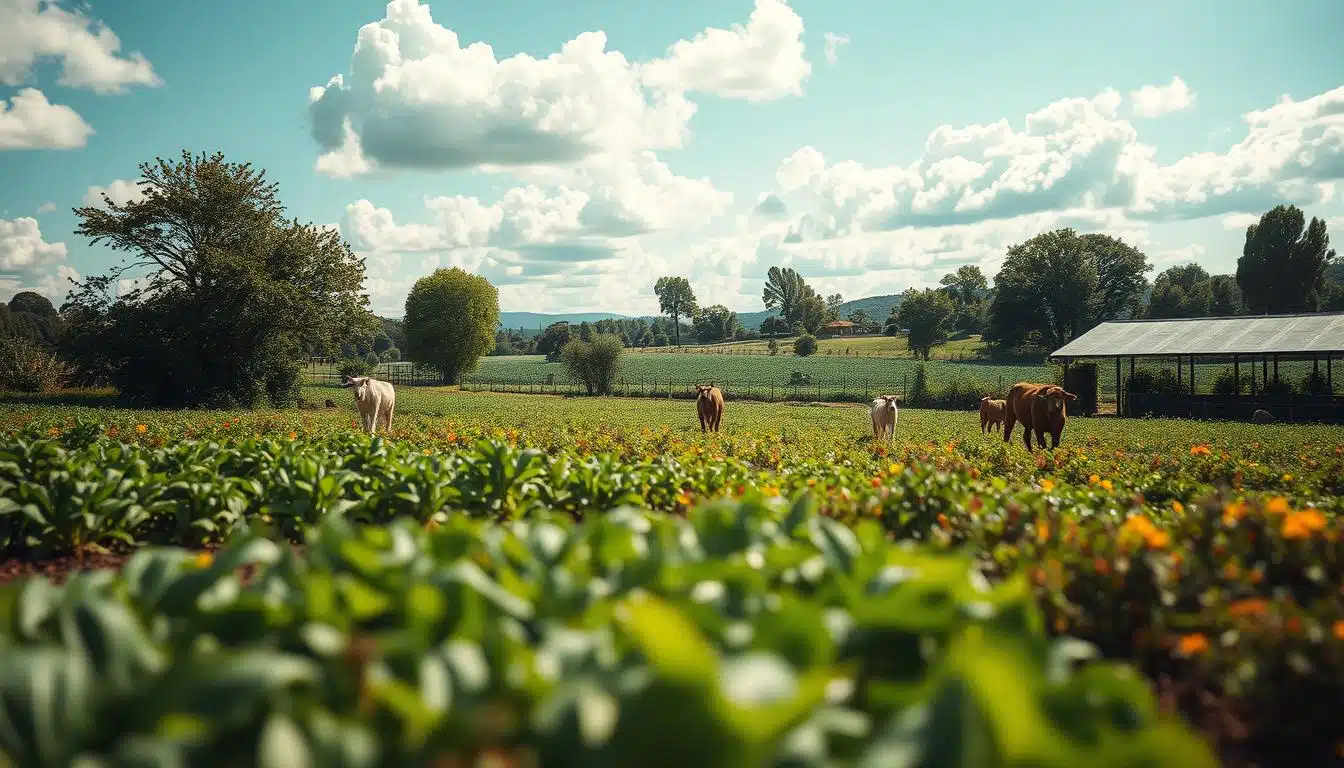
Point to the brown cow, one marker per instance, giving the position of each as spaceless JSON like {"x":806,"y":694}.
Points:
{"x":709,"y":404}
{"x":991,"y":413}
{"x":1041,"y":408}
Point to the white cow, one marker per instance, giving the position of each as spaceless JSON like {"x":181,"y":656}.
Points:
{"x":884,"y":413}
{"x":375,"y":400}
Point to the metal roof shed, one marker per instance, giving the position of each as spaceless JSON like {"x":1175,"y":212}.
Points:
{"x":1264,"y":337}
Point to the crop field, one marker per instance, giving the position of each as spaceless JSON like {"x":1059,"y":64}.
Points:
{"x":760,"y":375}
{"x":541,"y":580}
{"x":854,"y":346}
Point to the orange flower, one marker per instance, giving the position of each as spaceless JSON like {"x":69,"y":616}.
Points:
{"x":1338,"y":629}
{"x":1042,"y":531}
{"x":1177,"y":507}
{"x":1047,"y":485}
{"x":141,"y":428}
{"x":1250,"y":607}
{"x":944,"y":522}
{"x":1277,"y":506}
{"x":1094,"y":479}
{"x":1301,"y":525}
{"x":1192,"y":645}
{"x":203,"y":560}
{"x":1233,"y":512}
{"x":1107,"y":485}
{"x":293,"y":435}
{"x":1199,"y":450}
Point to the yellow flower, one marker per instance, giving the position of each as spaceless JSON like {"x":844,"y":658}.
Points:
{"x":1047,"y":485}
{"x":141,"y":428}
{"x":683,"y":499}
{"x":1043,"y":531}
{"x":203,"y":560}
{"x":1107,"y":485}
{"x":1094,"y":479}
{"x":1287,"y":478}
{"x":770,"y":490}
{"x":1233,"y":512}
{"x":896,"y":469}
{"x":1301,"y":525}
{"x":1177,"y":507}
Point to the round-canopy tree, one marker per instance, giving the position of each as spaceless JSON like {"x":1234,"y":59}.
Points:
{"x":450,"y":321}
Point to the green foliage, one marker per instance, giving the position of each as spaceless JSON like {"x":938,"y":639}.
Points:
{"x":30,"y":316}
{"x":1282,"y":266}
{"x":772,"y":347}
{"x":554,"y":339}
{"x":1315,"y":384}
{"x":715,"y":324}
{"x":1059,"y":284}
{"x":32,"y":303}
{"x":355,"y":366}
{"x":450,"y":321}
{"x":805,"y":345}
{"x":595,"y":363}
{"x":1226,"y":383}
{"x":927,"y":315}
{"x":919,"y":395}
{"x":676,"y":300}
{"x":26,"y":366}
{"x":751,"y":632}
{"x":233,"y":295}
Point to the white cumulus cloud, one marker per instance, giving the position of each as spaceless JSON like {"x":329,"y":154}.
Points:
{"x":29,"y":121}
{"x":1156,"y":100}
{"x":120,"y":191}
{"x":88,"y":51}
{"x":23,"y":251}
{"x":415,"y":97}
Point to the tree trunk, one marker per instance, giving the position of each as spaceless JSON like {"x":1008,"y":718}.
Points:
{"x":676,"y":328}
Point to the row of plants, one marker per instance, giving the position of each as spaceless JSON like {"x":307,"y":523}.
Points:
{"x":748,"y":633}
{"x":1219,"y":575}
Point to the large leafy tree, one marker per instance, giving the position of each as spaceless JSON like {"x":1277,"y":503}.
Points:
{"x":450,"y":321}
{"x":676,"y":300}
{"x":1059,"y":284}
{"x":227,"y":292}
{"x":1283,"y":262}
{"x":785,"y":290}
{"x":716,"y":323}
{"x":927,"y":315}
{"x":1225,"y":297}
{"x":1183,"y":291}
{"x":31,"y":316}
{"x":968,"y":289}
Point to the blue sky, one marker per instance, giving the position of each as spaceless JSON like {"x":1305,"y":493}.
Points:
{"x":872,"y":146}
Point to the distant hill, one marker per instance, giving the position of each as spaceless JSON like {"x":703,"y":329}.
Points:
{"x":877,"y":307}
{"x":534,"y":320}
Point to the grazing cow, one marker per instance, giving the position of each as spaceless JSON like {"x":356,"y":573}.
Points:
{"x":375,"y":400}
{"x":991,"y":413}
{"x":709,"y":405}
{"x":1261,"y":416}
{"x":884,"y":414}
{"x":1041,"y":408}
{"x":331,"y":403}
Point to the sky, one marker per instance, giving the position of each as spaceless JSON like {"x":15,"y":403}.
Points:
{"x":572,"y":153}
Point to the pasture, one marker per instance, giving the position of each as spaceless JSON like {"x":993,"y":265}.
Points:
{"x":537,"y":550}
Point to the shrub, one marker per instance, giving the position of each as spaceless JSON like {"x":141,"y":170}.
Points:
{"x":772,"y":347}
{"x":26,"y":366}
{"x":805,"y":345}
{"x":660,"y":340}
{"x":919,"y":395}
{"x":1225,"y":383}
{"x":355,"y":366}
{"x":1314,"y":384}
{"x":595,"y":363}
{"x":392,"y":355}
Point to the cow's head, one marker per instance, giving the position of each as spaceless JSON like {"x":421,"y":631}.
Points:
{"x":358,"y":383}
{"x":1055,"y":397}
{"x":702,"y":390}
{"x":888,"y":401}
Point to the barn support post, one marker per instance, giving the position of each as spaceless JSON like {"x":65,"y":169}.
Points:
{"x":1192,"y":374}
{"x":1276,"y":369}
{"x":1236,"y":371}
{"x":1119,"y":395}
{"x":1329,"y":380}
{"x":1180,"y":372}
{"x":1264,"y":371}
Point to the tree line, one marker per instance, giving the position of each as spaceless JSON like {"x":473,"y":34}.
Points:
{"x":233,"y":298}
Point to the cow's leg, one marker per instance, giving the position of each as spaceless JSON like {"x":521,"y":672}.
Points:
{"x":1026,"y":435}
{"x":387,"y":426}
{"x":373,"y":421}
{"x":1008,"y":421}
{"x":701,"y":414}
{"x":1054,"y":438}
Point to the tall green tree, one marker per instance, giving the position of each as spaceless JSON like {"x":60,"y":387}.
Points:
{"x":716,"y":323}
{"x":1183,"y":291}
{"x":968,"y":289}
{"x":676,"y":300}
{"x":1282,"y":264}
{"x":450,"y":321}
{"x":785,"y":290}
{"x":833,"y":304}
{"x":1225,"y":297}
{"x":927,"y":314}
{"x":230,"y":292}
{"x":1059,"y":284}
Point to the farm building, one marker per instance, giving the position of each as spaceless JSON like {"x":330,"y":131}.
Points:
{"x":1224,"y":367}
{"x":838,"y":328}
